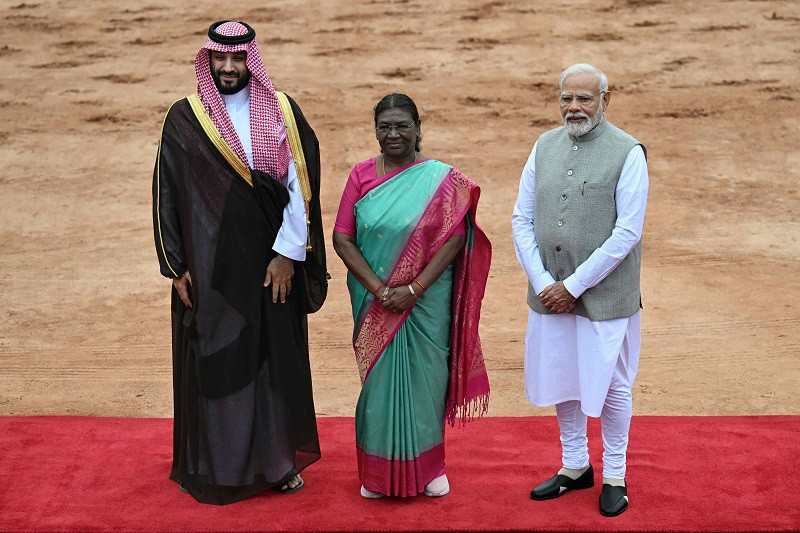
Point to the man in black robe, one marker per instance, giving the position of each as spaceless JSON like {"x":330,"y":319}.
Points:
{"x":238,"y":228}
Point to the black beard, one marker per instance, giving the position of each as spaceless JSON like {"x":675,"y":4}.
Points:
{"x":241,"y":82}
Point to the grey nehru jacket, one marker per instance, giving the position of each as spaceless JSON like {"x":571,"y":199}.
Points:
{"x":576,"y":181}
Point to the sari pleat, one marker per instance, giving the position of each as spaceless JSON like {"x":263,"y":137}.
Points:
{"x":400,"y":414}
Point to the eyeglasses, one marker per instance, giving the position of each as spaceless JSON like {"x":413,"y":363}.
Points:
{"x":385,"y":129}
{"x":584,"y":99}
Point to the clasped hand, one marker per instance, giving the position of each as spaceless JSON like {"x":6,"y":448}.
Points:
{"x":399,"y":299}
{"x":557,"y":299}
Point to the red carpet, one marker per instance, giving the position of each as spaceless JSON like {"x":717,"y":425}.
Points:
{"x":684,"y":474}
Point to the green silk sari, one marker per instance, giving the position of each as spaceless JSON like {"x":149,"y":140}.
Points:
{"x":405,"y":358}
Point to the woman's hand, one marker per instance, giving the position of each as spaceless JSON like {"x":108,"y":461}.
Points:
{"x":345,"y":247}
{"x":399,"y":299}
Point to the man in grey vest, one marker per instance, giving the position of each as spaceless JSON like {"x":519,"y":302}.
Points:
{"x":577,"y":228}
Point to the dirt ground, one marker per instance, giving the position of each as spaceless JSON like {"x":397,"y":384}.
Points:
{"x":711,"y":88}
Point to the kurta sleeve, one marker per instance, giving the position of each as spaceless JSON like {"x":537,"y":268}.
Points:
{"x":166,"y":201}
{"x":523,"y":230}
{"x":631,"y":201}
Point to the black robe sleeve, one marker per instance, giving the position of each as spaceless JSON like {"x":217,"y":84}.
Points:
{"x":315,"y":267}
{"x":166,"y":199}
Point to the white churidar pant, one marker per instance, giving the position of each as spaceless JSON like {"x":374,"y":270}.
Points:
{"x":585,"y":368}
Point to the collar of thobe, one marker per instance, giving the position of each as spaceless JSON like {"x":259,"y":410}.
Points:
{"x":237,"y":100}
{"x":596,"y":132}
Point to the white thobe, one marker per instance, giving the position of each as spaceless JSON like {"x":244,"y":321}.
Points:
{"x":293,"y":233}
{"x":569,"y":357}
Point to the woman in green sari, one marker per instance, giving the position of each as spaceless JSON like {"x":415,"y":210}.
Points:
{"x":418,"y":264}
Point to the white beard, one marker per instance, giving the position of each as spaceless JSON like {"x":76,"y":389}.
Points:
{"x":582,"y":128}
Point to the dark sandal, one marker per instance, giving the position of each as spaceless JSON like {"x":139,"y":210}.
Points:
{"x":286,"y":489}
{"x":560,"y":484}
{"x":613,"y":500}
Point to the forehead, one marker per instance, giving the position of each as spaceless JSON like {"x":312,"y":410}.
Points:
{"x":395,"y":114}
{"x":581,"y":82}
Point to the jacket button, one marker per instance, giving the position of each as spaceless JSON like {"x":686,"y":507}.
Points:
{"x":563,"y":197}
{"x":560,"y":271}
{"x":560,"y":223}
{"x":558,"y":248}
{"x":569,"y":172}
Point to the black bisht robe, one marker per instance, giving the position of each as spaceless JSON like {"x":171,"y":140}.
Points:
{"x":244,"y":411}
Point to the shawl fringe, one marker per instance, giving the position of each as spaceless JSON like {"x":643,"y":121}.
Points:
{"x":468,"y":411}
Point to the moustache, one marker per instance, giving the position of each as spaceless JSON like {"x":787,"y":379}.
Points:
{"x":577,"y":115}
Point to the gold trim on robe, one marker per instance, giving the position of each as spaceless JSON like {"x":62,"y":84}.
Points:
{"x":158,"y":193}
{"x":216,"y":138}
{"x":297,"y":152}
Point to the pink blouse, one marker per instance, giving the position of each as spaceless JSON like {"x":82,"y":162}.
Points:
{"x":363,"y":178}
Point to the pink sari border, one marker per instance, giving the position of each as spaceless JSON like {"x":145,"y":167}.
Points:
{"x":395,"y":477}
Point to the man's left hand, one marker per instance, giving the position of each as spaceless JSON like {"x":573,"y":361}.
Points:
{"x":279,"y":272}
{"x":557,"y":299}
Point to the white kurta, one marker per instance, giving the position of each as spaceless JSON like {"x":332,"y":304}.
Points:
{"x":293,"y":233}
{"x":569,"y":357}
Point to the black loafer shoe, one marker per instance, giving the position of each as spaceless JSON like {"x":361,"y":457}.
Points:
{"x":613,"y":500}
{"x":560,"y":484}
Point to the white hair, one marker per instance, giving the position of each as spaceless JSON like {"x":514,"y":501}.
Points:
{"x":579,"y":68}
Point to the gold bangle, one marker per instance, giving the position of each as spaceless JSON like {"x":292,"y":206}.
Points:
{"x":414,"y":294}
